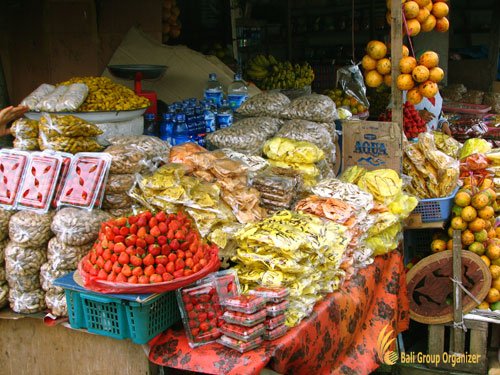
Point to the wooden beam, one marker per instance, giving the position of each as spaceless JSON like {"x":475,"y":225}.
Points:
{"x":458,"y":337}
{"x":396,"y":54}
{"x":494,"y":44}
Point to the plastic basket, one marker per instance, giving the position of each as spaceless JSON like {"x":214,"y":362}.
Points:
{"x":146,"y":320}
{"x":435,"y":209}
{"x":138,"y":317}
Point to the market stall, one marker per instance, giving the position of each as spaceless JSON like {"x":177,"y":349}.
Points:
{"x":216,"y":231}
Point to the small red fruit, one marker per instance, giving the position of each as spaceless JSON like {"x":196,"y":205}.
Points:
{"x":174,"y":245}
{"x":135,"y":261}
{"x":163,"y":227}
{"x":160,"y":269}
{"x":102,"y":275}
{"x":149,"y":270}
{"x":143,"y":279}
{"x":126,"y":270}
{"x":155,"y":278}
{"x":149,"y":239}
{"x":170,"y":267}
{"x":167,"y":276}
{"x":121,"y":278}
{"x":124,"y":231}
{"x":148,"y":260}
{"x":141,"y":243}
{"x":132,"y":280}
{"x":119,"y":247}
{"x":161,"y":216}
{"x":161,"y":259}
{"x":123,"y":258}
{"x":154,"y":249}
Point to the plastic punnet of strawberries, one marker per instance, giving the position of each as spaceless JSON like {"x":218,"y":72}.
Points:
{"x":413,"y":124}
{"x":147,"y":249}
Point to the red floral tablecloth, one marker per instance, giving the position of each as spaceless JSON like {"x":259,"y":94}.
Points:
{"x":340,"y":336}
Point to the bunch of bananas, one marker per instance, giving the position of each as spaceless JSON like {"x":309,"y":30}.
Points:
{"x":269,"y":73}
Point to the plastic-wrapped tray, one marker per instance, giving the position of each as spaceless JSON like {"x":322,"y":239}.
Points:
{"x":240,"y":346}
{"x":226,"y":282}
{"x":274,"y":322}
{"x":39,"y":182}
{"x":275,"y":309}
{"x":275,"y":333}
{"x":242,"y":333}
{"x":86,"y":176}
{"x":66,"y":162}
{"x":247,"y":304}
{"x":247,"y":320}
{"x":274,"y":295}
{"x":12,"y":166}
{"x":200,"y":312}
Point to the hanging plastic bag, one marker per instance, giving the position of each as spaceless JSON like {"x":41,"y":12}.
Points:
{"x":350,"y":79}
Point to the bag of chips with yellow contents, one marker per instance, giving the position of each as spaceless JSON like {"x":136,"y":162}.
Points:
{"x":289,"y":150}
{"x":383,"y":184}
{"x":386,"y":240}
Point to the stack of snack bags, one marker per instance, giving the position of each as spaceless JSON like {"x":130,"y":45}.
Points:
{"x":300,"y":156}
{"x":278,"y":187}
{"x":25,"y":132}
{"x":246,"y":136}
{"x":75,"y":231}
{"x":391,"y":206}
{"x":293,"y":250}
{"x":433,"y":173}
{"x":29,"y":233}
{"x":4,"y":240}
{"x":68,"y":134}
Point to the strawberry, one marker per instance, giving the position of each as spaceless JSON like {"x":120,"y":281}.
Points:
{"x":124,"y":231}
{"x":161,"y":259}
{"x":174,"y":245}
{"x":160,"y":269}
{"x":167,"y":276}
{"x":172,"y":257}
{"x":123,"y":258}
{"x":204,"y":326}
{"x":163,"y":227}
{"x":108,"y":266}
{"x":140,"y":251}
{"x":132,"y":280}
{"x":180,"y":235}
{"x":137,"y":271}
{"x":170,"y":267}
{"x":155,"y":231}
{"x":148,"y":260}
{"x":174,"y":225}
{"x":111,"y":277}
{"x":154,"y":249}
{"x":180,"y":254}
{"x":120,"y":222}
{"x":132,"y":220}
{"x":149,"y":270}
{"x":161,"y":216}
{"x":119,"y":247}
{"x":131,"y":240}
{"x":162,"y":240}
{"x":100,"y":262}
{"x":121,"y":278}
{"x":102,"y":275}
{"x":155,"y":278}
{"x":106,"y":254}
{"x":149,"y":239}
{"x":179,"y":273}
{"x":141,"y":243}
{"x":142,"y":232}
{"x":143,"y":279}
{"x":131,"y":250}
{"x":142,"y":222}
{"x":119,"y":238}
{"x":165,"y":250}
{"x":117,"y":268}
{"x":153,"y":222}
{"x":126,"y":270}
{"x":135,"y":261}
{"x":133,"y":229}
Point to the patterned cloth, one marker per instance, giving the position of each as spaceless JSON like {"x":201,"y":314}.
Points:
{"x":340,"y":336}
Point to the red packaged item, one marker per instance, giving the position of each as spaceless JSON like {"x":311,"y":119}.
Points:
{"x":66,"y":162}
{"x":274,"y":295}
{"x":39,"y":182}
{"x":226,"y":282}
{"x":275,"y":333}
{"x":240,"y":346}
{"x":87,"y":174}
{"x":248,"y":304}
{"x":200,"y":312}
{"x":241,"y":332}
{"x":247,"y":320}
{"x":274,"y":322}
{"x":275,"y":309}
{"x":12,"y":166}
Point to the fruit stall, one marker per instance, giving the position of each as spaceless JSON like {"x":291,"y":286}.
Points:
{"x":248,"y":229}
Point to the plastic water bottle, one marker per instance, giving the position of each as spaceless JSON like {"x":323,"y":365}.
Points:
{"x":180,"y":133}
{"x":150,"y":127}
{"x":209,"y":117}
{"x":237,"y":92}
{"x":225,"y":116}
{"x":200,"y":119}
{"x":213,"y":90}
{"x":191,"y":122}
{"x":166,"y":127}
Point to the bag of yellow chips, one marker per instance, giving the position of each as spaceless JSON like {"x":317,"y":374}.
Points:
{"x":289,"y":150}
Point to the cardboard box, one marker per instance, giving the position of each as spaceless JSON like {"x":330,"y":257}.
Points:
{"x":372,"y":145}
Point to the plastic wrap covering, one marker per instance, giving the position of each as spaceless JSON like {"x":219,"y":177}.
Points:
{"x":32,"y":100}
{"x":264,"y":104}
{"x":318,"y":108}
{"x":27,"y":302}
{"x":29,"y":228}
{"x":64,"y":256}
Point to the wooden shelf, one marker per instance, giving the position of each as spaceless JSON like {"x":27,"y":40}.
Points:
{"x":414,"y":221}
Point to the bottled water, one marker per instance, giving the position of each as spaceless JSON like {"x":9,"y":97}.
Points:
{"x":209,"y":116}
{"x":181,"y":132}
{"x":225,"y":116}
{"x":237,"y":92}
{"x":166,"y":127}
{"x":213,"y":90}
{"x":150,"y":126}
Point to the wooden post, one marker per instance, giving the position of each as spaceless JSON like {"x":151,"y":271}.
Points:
{"x":396,"y":54}
{"x":458,"y":336}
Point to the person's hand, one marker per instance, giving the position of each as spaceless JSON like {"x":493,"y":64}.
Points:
{"x":9,"y":114}
{"x":445,"y":128}
{"x":426,"y":115}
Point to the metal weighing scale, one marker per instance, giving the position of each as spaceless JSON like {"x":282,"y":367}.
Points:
{"x":138,"y":72}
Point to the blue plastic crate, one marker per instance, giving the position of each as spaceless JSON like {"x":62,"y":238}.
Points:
{"x":435,"y":209}
{"x":139,"y":317}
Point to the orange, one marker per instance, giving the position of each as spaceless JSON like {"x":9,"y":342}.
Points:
{"x":429,"y":59}
{"x":414,"y":96}
{"x":428,"y":24}
{"x":422,"y":3}
{"x":406,"y":51}
{"x":368,"y":63}
{"x":407,"y":64}
{"x":486,"y":260}
{"x":423,"y":14}
{"x":442,"y":25}
{"x":405,"y":82}
{"x":388,"y":80}
{"x":411,"y":9}
{"x":413,"y":27}
{"x":376,"y":49}
{"x":493,"y":296}
{"x":373,"y":78}
{"x":440,"y":10}
{"x":384,"y":66}
{"x":420,"y":74}
{"x":436,"y":74}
